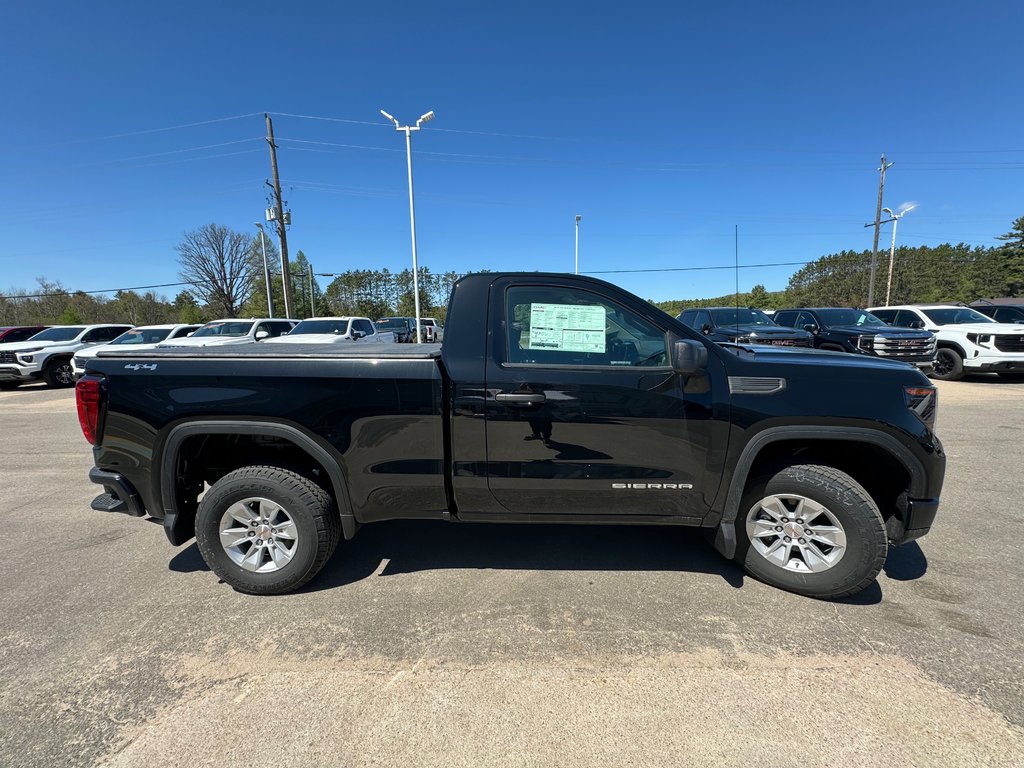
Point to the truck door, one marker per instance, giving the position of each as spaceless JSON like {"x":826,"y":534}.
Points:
{"x":584,"y":415}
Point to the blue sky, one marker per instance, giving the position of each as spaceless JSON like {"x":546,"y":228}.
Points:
{"x":663,"y":124}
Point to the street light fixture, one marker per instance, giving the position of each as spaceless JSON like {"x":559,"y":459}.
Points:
{"x":577,"y":270}
{"x":895,"y":219}
{"x":425,"y":118}
{"x":266,"y":271}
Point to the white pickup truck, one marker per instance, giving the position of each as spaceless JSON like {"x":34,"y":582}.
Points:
{"x":335,"y":330}
{"x":47,"y":355}
{"x":231,"y":331}
{"x":968,"y":341}
{"x":139,"y":338}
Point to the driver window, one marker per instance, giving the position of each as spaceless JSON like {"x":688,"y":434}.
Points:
{"x":568,"y":326}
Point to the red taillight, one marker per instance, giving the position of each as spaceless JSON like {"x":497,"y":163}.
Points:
{"x":88,"y":396}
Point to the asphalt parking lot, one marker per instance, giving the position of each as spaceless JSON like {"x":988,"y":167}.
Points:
{"x":472,"y":645}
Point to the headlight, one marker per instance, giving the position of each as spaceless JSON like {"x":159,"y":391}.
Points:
{"x":979,"y":338}
{"x":26,"y":358}
{"x":866,"y":342}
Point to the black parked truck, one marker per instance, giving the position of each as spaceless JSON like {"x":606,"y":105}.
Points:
{"x":555,"y":398}
{"x":743,"y":325}
{"x":859,"y":332}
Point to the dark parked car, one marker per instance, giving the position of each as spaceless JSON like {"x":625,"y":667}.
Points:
{"x":404,"y":328}
{"x":1002,"y":313}
{"x":19,"y":332}
{"x":743,"y":326}
{"x":860,"y":332}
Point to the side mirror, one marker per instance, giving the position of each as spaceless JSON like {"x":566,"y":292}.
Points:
{"x":811,"y":328}
{"x":918,"y":324}
{"x":261,"y":335}
{"x":689,"y":356}
{"x":706,"y":328}
{"x":357,"y":334}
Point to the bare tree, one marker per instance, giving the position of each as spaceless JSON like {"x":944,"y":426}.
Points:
{"x":219,"y":263}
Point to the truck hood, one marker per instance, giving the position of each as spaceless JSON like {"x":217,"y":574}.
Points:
{"x":892,"y":332}
{"x":206,"y":341}
{"x":310,"y":338}
{"x":762,"y":331}
{"x":24,"y":346}
{"x":989,"y":329}
{"x":763,"y":353}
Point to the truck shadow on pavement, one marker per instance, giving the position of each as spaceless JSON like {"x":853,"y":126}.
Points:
{"x":410,"y":546}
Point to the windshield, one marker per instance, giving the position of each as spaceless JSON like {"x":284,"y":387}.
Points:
{"x":956,"y":316}
{"x":234,"y":328}
{"x":740,"y":316}
{"x":847,"y":317}
{"x":394,"y":324}
{"x":142,"y":336}
{"x":337,"y":327}
{"x":58,"y":334}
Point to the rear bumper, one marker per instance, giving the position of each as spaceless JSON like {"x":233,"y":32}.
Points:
{"x":915,"y":522}
{"x":119,"y":496}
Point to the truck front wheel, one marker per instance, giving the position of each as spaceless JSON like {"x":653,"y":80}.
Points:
{"x":266,"y":530}
{"x":813,"y":530}
{"x":948,"y":365}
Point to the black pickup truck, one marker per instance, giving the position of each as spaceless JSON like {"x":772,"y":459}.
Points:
{"x":860,"y":332}
{"x":554,"y":398}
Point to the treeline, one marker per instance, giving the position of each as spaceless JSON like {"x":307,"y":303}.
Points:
{"x":371,"y":293}
{"x":920,"y":275}
{"x":225,"y":272}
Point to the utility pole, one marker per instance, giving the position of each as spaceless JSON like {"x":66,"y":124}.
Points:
{"x":877,"y":225}
{"x":576,"y":271}
{"x":312,"y":292}
{"x":279,"y":221}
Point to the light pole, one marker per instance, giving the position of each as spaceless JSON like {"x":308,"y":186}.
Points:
{"x":412,"y":208}
{"x":895,"y":219}
{"x":266,"y":271}
{"x":577,"y":270}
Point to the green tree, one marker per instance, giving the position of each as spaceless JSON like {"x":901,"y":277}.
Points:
{"x":1012,"y":258}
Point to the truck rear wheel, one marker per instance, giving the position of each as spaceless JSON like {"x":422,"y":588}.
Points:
{"x":59,"y":373}
{"x":813,"y":530}
{"x":948,"y":365}
{"x":266,"y":530}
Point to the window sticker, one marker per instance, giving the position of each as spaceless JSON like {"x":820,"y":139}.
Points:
{"x":567,"y":327}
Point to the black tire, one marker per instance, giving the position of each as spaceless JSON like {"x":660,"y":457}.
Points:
{"x":1011,"y":375}
{"x":59,"y":373}
{"x":948,"y":365}
{"x":866,"y":541}
{"x":310,"y":507}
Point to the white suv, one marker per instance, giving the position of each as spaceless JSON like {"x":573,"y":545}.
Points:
{"x":335,"y":330}
{"x":229,"y":331}
{"x":968,"y":341}
{"x":139,"y":338}
{"x":47,"y":355}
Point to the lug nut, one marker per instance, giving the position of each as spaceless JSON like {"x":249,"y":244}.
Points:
{"x":799,"y":521}
{"x":808,"y":531}
{"x":778,"y":527}
{"x":252,"y":533}
{"x":802,"y":541}
{"x":785,"y":519}
{"x":786,"y":539}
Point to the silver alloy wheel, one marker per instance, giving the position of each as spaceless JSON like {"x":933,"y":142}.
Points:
{"x":796,"y":533}
{"x":258,"y":534}
{"x":64,"y":373}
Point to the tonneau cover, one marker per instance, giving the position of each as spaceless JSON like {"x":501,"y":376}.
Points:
{"x":286,"y":351}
